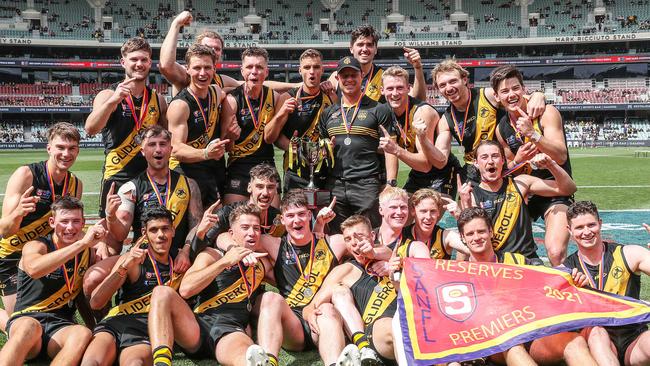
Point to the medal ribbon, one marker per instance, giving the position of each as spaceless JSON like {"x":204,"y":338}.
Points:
{"x":143,"y":108}
{"x":368,"y":79}
{"x":50,"y":182}
{"x":159,"y":278}
{"x":415,"y":238}
{"x":601,"y":275}
{"x":256,"y":119}
{"x":311,"y":259}
{"x":404,"y":131}
{"x":307,"y":98}
{"x":203,"y":114}
{"x":69,"y":283}
{"x":344,"y":115}
{"x":249,"y":286}
{"x":460,"y":133}
{"x":168,"y":189}
{"x":514,"y":168}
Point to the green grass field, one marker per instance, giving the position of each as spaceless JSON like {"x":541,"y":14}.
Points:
{"x":611,"y":177}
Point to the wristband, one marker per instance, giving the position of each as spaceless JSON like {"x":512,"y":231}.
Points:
{"x":392,"y":182}
{"x":205,"y":154}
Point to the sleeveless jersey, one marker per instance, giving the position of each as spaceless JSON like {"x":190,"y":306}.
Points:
{"x":50,"y":292}
{"x":217,"y":80}
{"x":371,"y":84}
{"x":135,"y":298}
{"x":304,"y":120}
{"x":435,"y":243}
{"x":292,"y":284}
{"x":375,"y":297}
{"x":618,"y":277}
{"x":513,"y":230}
{"x":511,"y":258}
{"x":178,"y":204}
{"x":35,"y":224}
{"x":250,"y":146}
{"x":123,"y":158}
{"x":229,"y":291}
{"x":407,"y":138}
{"x":200,"y":133}
{"x":514,"y":141}
{"x":479,"y":125}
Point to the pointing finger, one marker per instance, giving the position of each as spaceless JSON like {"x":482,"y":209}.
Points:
{"x":331,"y":205}
{"x":384,"y":131}
{"x":407,"y":49}
{"x":521,"y":112}
{"x":447,"y":199}
{"x":111,"y":191}
{"x":28,"y":192}
{"x":459,"y":181}
{"x":214,"y":206}
{"x":129,"y":80}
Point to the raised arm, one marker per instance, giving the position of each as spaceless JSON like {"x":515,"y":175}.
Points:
{"x":563,"y":185}
{"x":419,"y":89}
{"x":207,"y":266}
{"x":104,"y":104}
{"x":127,"y":266}
{"x":174,"y":72}
{"x":274,"y":126}
{"x":552,"y":142}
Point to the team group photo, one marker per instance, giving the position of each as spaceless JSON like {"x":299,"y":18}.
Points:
{"x":325,"y":183}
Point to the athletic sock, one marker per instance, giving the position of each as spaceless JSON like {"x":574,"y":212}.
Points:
{"x":273,"y":361}
{"x":360,"y":340}
{"x":162,"y":356}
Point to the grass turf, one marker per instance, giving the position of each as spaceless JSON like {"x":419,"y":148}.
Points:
{"x":611,"y":177}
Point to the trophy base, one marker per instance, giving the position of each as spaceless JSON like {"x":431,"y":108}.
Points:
{"x":317,"y":198}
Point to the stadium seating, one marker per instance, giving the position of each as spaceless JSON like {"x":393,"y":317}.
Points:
{"x":35,"y":131}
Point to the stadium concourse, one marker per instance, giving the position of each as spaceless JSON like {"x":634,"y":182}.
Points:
{"x":158,"y":163}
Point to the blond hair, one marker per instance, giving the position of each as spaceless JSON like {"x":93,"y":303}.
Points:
{"x":449,"y":65}
{"x":396,"y":72}
{"x":391,"y":193}
{"x":424,"y":193}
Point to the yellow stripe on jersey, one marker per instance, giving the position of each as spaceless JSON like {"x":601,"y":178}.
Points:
{"x":254,"y":140}
{"x":236,"y":292}
{"x":141,"y":305}
{"x":321,"y":266}
{"x":379,"y":301}
{"x":508,"y":215}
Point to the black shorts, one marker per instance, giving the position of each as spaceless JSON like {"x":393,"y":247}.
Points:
{"x":368,"y":331}
{"x":9,"y":274}
{"x":309,"y":344}
{"x":51,"y":323}
{"x":128,"y":330}
{"x":105,"y":187}
{"x":215,"y":325}
{"x":623,"y":336}
{"x":355,"y":196}
{"x":538,"y":205}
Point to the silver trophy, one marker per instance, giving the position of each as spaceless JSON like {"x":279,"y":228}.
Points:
{"x":312,"y":154}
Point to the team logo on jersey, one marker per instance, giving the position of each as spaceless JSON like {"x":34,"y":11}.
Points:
{"x":435,"y":253}
{"x":457,"y":300}
{"x":511,"y":140}
{"x":146,"y":196}
{"x":43,"y":194}
{"x":511,"y":197}
{"x":362,"y":115}
{"x":320,"y":255}
{"x":372,"y":88}
{"x":152,"y":109}
{"x":268,"y":107}
{"x":484,"y":112}
{"x":181,"y":193}
{"x":487,"y":204}
{"x":288,"y":258}
{"x":336,"y":114}
{"x":617,"y":272}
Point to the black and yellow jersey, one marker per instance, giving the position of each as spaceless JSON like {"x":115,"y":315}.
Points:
{"x":250,"y":148}
{"x":512,"y":226}
{"x":617,"y":276}
{"x":123,"y":158}
{"x":231,"y":291}
{"x":435,"y":243}
{"x":374,"y":297}
{"x":35,"y":224}
{"x":135,"y":298}
{"x":475,"y":124}
{"x":298,"y":279}
{"x":371,"y":84}
{"x":54,"y":291}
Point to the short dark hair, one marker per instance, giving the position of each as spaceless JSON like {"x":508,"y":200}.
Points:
{"x":241,"y":210}
{"x":155,"y":213}
{"x":365,"y":30}
{"x":67,"y":203}
{"x":472,"y":213}
{"x":356,"y":220}
{"x":502,"y":73}
{"x":135,"y":44}
{"x":199,"y":50}
{"x":255,"y":52}
{"x":65,"y":130}
{"x":153,"y":131}
{"x":294,"y":198}
{"x":582,"y":208}
{"x":265,"y":171}
{"x":311,"y":53}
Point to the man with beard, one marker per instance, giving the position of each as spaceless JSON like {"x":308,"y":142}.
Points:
{"x":522,"y":138}
{"x":49,"y":279}
{"x":123,"y":332}
{"x":472,"y":114}
{"x":612,"y":268}
{"x":254,"y":105}
{"x":120,"y":113}
{"x":422,"y":143}
{"x":25,"y":216}
{"x":358,"y":171}
{"x":175,"y":73}
{"x":505,"y":197}
{"x":199,"y":133}
{"x":226,"y":287}
{"x":363,"y":47}
{"x":297,"y":118}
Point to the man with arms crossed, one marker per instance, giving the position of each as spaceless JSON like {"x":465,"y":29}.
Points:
{"x":30,"y":192}
{"x":226,"y":288}
{"x":522,"y":138}
{"x":49,"y":279}
{"x":123,"y":332}
{"x":199,"y":133}
{"x":612,"y":268}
